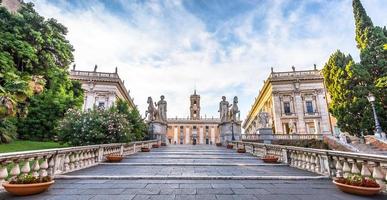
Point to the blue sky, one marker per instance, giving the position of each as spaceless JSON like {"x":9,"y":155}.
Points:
{"x":224,"y":47}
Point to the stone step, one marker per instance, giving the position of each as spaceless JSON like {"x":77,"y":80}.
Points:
{"x":191,"y":157}
{"x":125,"y":177}
{"x":192,"y":153}
{"x":192,"y":164}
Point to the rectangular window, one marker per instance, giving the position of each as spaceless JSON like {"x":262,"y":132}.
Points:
{"x":287,"y":108}
{"x":101,"y":105}
{"x":309,"y":107}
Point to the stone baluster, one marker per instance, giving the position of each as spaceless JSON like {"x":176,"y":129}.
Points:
{"x":317,"y":166}
{"x":338,"y":167}
{"x":365,"y":171}
{"x":35,"y":167}
{"x":26,"y":169}
{"x":3,"y":172}
{"x":15,"y":171}
{"x":346,"y":168}
{"x":51,"y":165}
{"x":354,"y":168}
{"x":66,"y":162}
{"x":312,"y":162}
{"x":43,"y":167}
{"x":378,"y":175}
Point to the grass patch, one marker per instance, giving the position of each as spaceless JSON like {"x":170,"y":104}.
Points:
{"x":26,"y":145}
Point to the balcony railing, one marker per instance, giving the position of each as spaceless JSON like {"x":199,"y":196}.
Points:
{"x":324,"y":162}
{"x":282,"y":136}
{"x":62,"y":160}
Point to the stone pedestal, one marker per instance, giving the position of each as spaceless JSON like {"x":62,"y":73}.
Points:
{"x":266,"y":134}
{"x":227,"y":129}
{"x":158,"y":131}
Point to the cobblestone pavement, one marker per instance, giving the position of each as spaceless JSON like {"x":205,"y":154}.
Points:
{"x":186,"y":187}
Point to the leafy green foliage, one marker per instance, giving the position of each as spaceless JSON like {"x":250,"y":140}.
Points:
{"x":96,"y":126}
{"x":29,"y":179}
{"x":349,"y":83}
{"x":139,"y":127}
{"x":35,"y":53}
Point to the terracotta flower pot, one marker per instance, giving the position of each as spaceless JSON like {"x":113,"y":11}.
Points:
{"x":270,"y":159}
{"x":145,"y":149}
{"x":163,"y":144}
{"x":27,"y":189}
{"x":230,"y":146}
{"x":241,"y":150}
{"x":359,"y":190}
{"x":155,"y":146}
{"x":114,"y":158}
{"x":219,"y":144}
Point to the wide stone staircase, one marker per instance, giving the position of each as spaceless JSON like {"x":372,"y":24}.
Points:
{"x":191,"y":172}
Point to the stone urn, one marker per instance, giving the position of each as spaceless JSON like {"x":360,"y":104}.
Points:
{"x":270,"y":159}
{"x":145,"y":149}
{"x":241,"y":150}
{"x":27,"y":189}
{"x":114,"y":158}
{"x":358,"y":190}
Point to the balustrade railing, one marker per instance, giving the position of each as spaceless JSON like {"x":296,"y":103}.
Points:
{"x":52,"y":162}
{"x":324,"y":162}
{"x":282,"y":136}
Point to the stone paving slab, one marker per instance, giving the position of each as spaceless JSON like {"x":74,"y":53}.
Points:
{"x":191,"y":160}
{"x":192,"y":189}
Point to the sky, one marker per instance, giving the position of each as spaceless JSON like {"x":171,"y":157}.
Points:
{"x":220,"y":47}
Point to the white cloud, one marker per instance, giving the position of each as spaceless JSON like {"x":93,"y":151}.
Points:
{"x":164,"y":49}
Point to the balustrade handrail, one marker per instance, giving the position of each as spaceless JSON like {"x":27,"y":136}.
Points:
{"x":326,"y":162}
{"x":50,"y":162}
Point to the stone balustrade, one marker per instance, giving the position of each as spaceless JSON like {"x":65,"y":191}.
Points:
{"x":62,"y":160}
{"x":324,"y":162}
{"x":282,"y":136}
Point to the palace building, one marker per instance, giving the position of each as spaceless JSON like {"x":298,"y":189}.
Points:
{"x":194,"y":129}
{"x":101,"y":89}
{"x":295,"y":101}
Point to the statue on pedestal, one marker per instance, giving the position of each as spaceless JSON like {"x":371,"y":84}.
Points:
{"x":223,"y":109}
{"x":162,"y":108}
{"x":234,"y":111}
{"x":152,"y":110}
{"x":263,"y":120}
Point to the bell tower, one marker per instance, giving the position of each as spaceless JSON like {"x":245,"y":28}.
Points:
{"x":195,"y":106}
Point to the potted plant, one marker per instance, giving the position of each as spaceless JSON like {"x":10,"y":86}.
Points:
{"x":27,"y":185}
{"x":155,"y":146}
{"x":114,"y":158}
{"x":358,"y":184}
{"x":241,"y":150}
{"x":218,"y":144}
{"x":230,"y":146}
{"x":270,"y":159}
{"x":145,"y":149}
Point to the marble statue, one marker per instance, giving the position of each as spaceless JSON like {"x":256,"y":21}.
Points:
{"x":263,"y":120}
{"x":223,"y":109}
{"x":162,"y":108}
{"x":292,"y":127}
{"x":152,"y":110}
{"x":234,"y":111}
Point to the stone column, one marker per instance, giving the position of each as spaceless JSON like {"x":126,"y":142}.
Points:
{"x":187,"y":135}
{"x":277,"y":114}
{"x":213,"y":135}
{"x":300,"y":113}
{"x":201,"y":141}
{"x":316,"y":126}
{"x":324,"y":113}
{"x":175,"y":138}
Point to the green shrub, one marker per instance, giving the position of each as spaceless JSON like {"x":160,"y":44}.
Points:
{"x":97,"y":126}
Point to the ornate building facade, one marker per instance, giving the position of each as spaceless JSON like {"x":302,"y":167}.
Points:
{"x":101,"y":89}
{"x":193,"y":129}
{"x":295,"y":101}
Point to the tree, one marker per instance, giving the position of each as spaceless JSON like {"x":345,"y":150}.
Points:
{"x":349,"y":83}
{"x":33,"y":46}
{"x":139,"y":127}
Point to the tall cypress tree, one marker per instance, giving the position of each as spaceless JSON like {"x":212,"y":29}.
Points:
{"x":349,"y":83}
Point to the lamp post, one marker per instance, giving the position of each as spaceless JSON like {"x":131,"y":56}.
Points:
{"x":378,"y":132}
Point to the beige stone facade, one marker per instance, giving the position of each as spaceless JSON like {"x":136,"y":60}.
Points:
{"x":296,"y":102}
{"x":193,"y":129}
{"x":101,"y":89}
